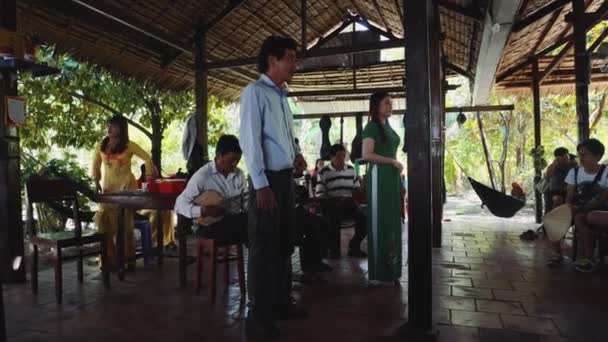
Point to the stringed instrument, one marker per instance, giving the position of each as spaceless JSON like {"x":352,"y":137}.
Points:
{"x":214,"y":198}
{"x":209,"y":198}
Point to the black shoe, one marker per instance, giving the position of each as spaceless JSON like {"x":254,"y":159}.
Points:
{"x":323,"y":267}
{"x":356,"y":253}
{"x":291,"y":311}
{"x":257,"y":328}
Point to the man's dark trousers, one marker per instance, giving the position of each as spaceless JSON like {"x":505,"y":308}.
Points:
{"x":271,"y":243}
{"x":338,"y":209}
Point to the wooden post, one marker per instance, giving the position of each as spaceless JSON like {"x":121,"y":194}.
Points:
{"x":303,"y":40}
{"x":342,"y":131}
{"x":581,"y":68}
{"x":437,"y":112}
{"x":423,"y":97}
{"x":537,"y":138}
{"x":200,"y":91}
{"x":11,"y":231}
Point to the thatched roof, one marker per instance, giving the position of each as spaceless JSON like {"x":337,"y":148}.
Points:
{"x":167,"y":58}
{"x":544,"y":39}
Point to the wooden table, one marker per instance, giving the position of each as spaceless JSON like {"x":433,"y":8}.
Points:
{"x":136,"y":200}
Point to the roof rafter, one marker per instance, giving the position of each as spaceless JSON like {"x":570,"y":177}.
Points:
{"x":546,"y":30}
{"x":598,"y":16}
{"x":469,"y":12}
{"x":379,"y":10}
{"x":385,"y":44}
{"x":539,"y":14}
{"x":330,"y":35}
{"x":556,"y":61}
{"x":234,"y":4}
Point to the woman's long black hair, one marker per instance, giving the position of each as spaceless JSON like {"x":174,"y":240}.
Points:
{"x":374,"y":111}
{"x":123,"y":136}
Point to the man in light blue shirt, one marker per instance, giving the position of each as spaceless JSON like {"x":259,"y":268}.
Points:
{"x":267,"y":141}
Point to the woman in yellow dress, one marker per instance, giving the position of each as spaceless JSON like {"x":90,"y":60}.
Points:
{"x":112,"y":173}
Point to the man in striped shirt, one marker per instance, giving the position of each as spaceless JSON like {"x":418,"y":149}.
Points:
{"x":336,"y":183}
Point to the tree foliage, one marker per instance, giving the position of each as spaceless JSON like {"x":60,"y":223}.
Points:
{"x":558,"y":128}
{"x":71,"y":109}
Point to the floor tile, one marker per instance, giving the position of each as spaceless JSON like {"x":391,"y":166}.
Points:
{"x":476,"y":319}
{"x":471,"y":292}
{"x":536,"y":325}
{"x":499,"y":307}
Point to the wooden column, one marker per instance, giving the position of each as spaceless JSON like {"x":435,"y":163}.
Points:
{"x":303,"y":18}
{"x":11,"y":227}
{"x":437,"y":112}
{"x":423,"y":99}
{"x":581,"y":68}
{"x":537,"y":138}
{"x":201,"y":91}
{"x":342,"y":130}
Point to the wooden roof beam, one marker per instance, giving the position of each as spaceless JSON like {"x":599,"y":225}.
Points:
{"x":379,"y":10}
{"x":468,"y":109}
{"x":234,"y":4}
{"x":598,"y":41}
{"x":335,"y":92}
{"x":374,"y":28}
{"x":386,"y":44}
{"x":333,"y":33}
{"x":592,"y":17}
{"x":493,"y":42}
{"x":556,"y":61}
{"x":546,"y":30}
{"x":400,"y":13}
{"x":359,"y":67}
{"x":509,"y":72}
{"x":267,"y":22}
{"x":125,"y":20}
{"x":526,"y":84}
{"x":458,"y":70}
{"x":469,"y":12}
{"x":562,"y":54}
{"x":539,"y":14}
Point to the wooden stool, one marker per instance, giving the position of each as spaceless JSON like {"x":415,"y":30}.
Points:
{"x":212,"y":250}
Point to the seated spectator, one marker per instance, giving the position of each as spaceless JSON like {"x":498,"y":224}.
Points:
{"x":585,"y":192}
{"x":336,"y":183}
{"x":517,"y":191}
{"x":224,"y":177}
{"x":556,"y":174}
{"x":314,"y":173}
{"x":309,"y":227}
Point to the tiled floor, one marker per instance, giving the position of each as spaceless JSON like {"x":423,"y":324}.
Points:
{"x":488,"y":286}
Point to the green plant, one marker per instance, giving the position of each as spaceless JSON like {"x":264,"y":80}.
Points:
{"x":538,"y":154}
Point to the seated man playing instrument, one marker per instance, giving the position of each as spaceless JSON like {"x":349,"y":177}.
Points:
{"x":215,"y":195}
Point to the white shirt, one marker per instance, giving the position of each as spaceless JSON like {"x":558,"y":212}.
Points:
{"x":583,"y":177}
{"x":232,"y":187}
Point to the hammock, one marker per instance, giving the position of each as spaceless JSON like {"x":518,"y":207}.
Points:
{"x":499,"y":204}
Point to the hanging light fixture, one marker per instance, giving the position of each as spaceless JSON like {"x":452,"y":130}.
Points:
{"x":461,"y":118}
